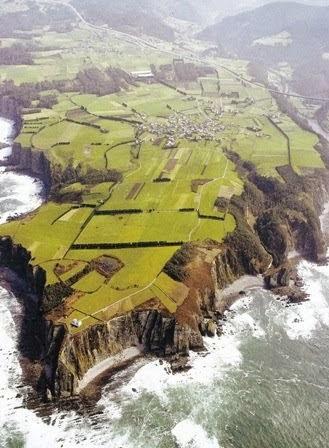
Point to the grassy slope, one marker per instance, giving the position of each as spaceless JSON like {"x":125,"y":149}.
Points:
{"x":50,"y":232}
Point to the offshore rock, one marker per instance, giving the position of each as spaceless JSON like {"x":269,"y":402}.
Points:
{"x":211,"y":328}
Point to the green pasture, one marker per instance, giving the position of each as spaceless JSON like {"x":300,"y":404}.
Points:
{"x":142,"y":227}
{"x":90,"y":282}
{"x":105,"y":105}
{"x":302,"y":144}
{"x":49,"y":232}
{"x":72,"y":267}
{"x":140,"y":266}
{"x":179,"y":209}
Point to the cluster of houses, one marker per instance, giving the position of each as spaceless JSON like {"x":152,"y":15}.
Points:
{"x":181,"y":126}
{"x":276,"y":118}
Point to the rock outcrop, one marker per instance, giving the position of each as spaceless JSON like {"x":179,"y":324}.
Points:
{"x":272,"y":219}
{"x":16,"y":258}
{"x":31,"y":162}
{"x":152,"y":329}
{"x":27,"y":283}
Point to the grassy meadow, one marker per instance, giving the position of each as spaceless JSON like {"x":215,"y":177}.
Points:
{"x":164,"y":195}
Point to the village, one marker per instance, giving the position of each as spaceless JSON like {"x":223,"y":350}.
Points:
{"x":181,"y":126}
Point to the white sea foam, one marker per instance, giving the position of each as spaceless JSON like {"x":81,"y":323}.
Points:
{"x":13,"y":415}
{"x":157,"y":378}
{"x":188,"y":434}
{"x":22,"y":195}
{"x":301,"y":321}
{"x":248,"y":325}
{"x":223,"y":353}
{"x":19,"y":194}
{"x":6,"y":130}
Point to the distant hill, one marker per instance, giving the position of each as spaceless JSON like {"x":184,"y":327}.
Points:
{"x":280,"y":32}
{"x":259,"y":33}
{"x":202,"y":11}
{"x":148,"y":16}
{"x":139,"y":17}
{"x":32,"y":16}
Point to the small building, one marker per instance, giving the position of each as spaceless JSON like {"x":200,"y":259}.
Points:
{"x":143,"y":75}
{"x":76,"y":323}
{"x":255,"y":129}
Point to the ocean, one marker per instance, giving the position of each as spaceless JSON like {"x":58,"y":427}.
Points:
{"x":18,"y":193}
{"x":263,"y":384}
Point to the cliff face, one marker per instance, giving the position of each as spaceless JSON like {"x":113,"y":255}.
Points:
{"x":10,"y":109}
{"x":155,"y":330}
{"x":265,"y":233}
{"x":272,"y":219}
{"x":27,"y":282}
{"x":150,"y":330}
{"x":31,"y":162}
{"x":17,"y":259}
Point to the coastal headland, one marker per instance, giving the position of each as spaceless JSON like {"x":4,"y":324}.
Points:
{"x":162,"y":188}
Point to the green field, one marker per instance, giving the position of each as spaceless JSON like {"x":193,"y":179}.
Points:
{"x":164,"y":196}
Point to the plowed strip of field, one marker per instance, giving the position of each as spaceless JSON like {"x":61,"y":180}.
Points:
{"x":171,"y":164}
{"x":135,"y":190}
{"x":196,"y":183}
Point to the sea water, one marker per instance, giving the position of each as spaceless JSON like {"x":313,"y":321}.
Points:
{"x":18,"y":193}
{"x":263,"y":384}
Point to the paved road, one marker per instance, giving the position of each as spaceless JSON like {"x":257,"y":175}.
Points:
{"x":141,"y":42}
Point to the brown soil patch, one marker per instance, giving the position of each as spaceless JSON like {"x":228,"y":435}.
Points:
{"x":133,"y":193}
{"x":196,"y":183}
{"x":187,"y":313}
{"x":107,"y":266}
{"x":171,"y":164}
{"x":61,"y":269}
{"x":153,"y":304}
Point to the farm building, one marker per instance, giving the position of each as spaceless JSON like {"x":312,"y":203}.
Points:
{"x":143,"y":75}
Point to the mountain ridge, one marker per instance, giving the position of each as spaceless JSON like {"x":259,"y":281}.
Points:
{"x":279,"y":32}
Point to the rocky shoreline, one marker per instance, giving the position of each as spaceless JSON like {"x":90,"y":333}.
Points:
{"x":154,"y":332}
{"x":271,"y":224}
{"x":32,"y":163}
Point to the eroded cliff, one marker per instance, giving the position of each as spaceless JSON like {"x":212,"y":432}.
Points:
{"x":273,"y":218}
{"x":31,"y":162}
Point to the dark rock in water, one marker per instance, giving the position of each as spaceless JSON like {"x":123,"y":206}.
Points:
{"x":179,"y":364}
{"x":202,"y":328}
{"x":134,"y":389}
{"x":299,"y":283}
{"x":211,"y":328}
{"x":297,"y":296}
{"x":278,"y":279}
{"x":219,"y":330}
